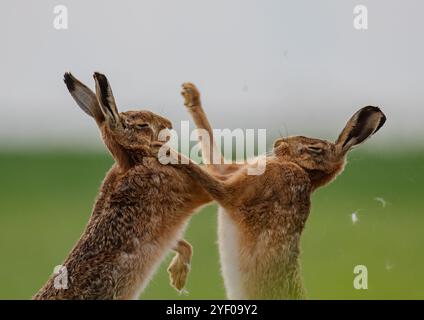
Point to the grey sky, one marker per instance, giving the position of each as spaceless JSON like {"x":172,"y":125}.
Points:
{"x":296,"y":66}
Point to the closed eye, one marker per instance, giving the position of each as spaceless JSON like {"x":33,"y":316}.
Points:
{"x":142,"y":125}
{"x":315,"y":150}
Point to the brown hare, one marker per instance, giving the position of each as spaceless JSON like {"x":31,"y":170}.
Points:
{"x":263,"y":216}
{"x":140,"y":213}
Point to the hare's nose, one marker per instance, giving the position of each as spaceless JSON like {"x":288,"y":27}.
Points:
{"x":167,"y":127}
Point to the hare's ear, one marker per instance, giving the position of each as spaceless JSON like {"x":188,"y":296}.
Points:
{"x":360,"y":127}
{"x":84,"y":97}
{"x":105,"y":98}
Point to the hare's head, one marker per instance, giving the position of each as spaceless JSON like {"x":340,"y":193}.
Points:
{"x":322,"y":159}
{"x":127,"y":135}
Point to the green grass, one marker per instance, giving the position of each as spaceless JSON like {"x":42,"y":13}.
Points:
{"x":46,"y":199}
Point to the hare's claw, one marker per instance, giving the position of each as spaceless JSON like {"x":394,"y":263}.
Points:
{"x":191,"y":95}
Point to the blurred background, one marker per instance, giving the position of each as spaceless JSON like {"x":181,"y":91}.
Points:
{"x":292,"y":67}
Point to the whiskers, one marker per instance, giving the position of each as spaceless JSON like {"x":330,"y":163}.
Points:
{"x":270,"y":153}
{"x":286,"y":131}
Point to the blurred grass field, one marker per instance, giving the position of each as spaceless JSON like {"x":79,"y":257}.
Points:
{"x":46,"y":200}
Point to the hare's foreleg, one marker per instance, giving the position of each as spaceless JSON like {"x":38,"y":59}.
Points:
{"x":179,"y":267}
{"x":210,"y":152}
{"x":220,"y":190}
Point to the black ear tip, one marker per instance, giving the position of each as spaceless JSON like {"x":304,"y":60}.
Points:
{"x":69,"y":81}
{"x":369,"y":111}
{"x":102,"y":80}
{"x":373,"y":109}
{"x":99,"y":76}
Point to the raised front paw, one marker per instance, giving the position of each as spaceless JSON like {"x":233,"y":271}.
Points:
{"x":191,"y":95}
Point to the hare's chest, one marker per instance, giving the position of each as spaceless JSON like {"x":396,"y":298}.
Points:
{"x":229,"y":251}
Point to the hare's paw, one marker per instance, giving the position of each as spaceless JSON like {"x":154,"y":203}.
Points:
{"x":178,"y":272}
{"x":191,"y":95}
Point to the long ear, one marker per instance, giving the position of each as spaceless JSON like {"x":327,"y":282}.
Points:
{"x":84,"y":97}
{"x":105,"y":98}
{"x":360,"y":127}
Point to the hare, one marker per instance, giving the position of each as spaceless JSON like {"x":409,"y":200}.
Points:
{"x":263,"y":216}
{"x":140,"y":213}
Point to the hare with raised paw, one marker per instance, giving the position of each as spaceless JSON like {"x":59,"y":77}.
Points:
{"x":140,"y":214}
{"x":262,"y":217}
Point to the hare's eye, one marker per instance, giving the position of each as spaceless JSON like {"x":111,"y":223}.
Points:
{"x":315,"y":150}
{"x":142,"y":125}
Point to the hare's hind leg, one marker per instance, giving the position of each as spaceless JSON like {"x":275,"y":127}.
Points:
{"x":179,"y":267}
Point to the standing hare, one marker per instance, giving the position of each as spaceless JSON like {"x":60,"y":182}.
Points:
{"x":262,"y":216}
{"x":140,"y":213}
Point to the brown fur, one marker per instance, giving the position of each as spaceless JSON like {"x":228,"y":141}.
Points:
{"x":140,"y":213}
{"x":270,"y":210}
